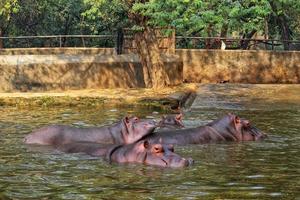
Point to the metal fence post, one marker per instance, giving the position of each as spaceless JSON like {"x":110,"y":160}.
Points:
{"x":120,"y":41}
{"x":60,"y":41}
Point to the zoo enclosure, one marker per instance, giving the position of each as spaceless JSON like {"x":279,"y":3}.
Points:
{"x":167,"y":43}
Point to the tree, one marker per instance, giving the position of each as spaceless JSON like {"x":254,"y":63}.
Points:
{"x":285,"y":14}
{"x":275,"y":18}
{"x":248,"y":17}
{"x":47,"y":17}
{"x":142,"y":16}
{"x":7,"y":8}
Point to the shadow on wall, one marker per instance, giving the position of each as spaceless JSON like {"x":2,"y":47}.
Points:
{"x":217,"y":66}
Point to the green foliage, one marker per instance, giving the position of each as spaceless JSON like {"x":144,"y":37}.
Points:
{"x":104,"y":16}
{"x":290,"y":11}
{"x":189,"y":17}
{"x":7,"y":9}
{"x":248,"y":15}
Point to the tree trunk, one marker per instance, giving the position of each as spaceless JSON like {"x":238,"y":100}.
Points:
{"x":1,"y":40}
{"x":81,"y":32}
{"x":283,"y":24}
{"x":208,"y":42}
{"x":147,"y":45}
{"x":285,"y":32}
{"x":66,"y":31}
{"x":248,"y":36}
{"x":266,"y":32}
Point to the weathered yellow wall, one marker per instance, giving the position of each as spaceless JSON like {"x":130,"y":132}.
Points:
{"x":240,"y":66}
{"x":77,"y":71}
{"x":78,"y":68}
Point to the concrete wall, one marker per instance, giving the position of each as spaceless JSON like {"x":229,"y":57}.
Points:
{"x":78,"y":68}
{"x":240,"y":66}
{"x":67,"y":71}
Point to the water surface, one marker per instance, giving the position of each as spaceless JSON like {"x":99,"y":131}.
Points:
{"x":249,"y":170}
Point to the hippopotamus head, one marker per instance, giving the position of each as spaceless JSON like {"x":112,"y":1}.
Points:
{"x":240,"y":129}
{"x":171,"y":121}
{"x":163,"y":155}
{"x":150,"y":154}
{"x":134,"y":128}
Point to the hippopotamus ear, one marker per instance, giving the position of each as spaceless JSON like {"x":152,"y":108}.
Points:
{"x":126,"y":122}
{"x":179,"y":117}
{"x":237,"y":120}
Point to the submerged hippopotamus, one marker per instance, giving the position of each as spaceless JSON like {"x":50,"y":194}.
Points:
{"x":127,"y":131}
{"x":139,"y":152}
{"x":228,"y":128}
{"x":171,"y":121}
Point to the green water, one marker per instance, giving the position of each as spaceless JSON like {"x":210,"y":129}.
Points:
{"x":250,"y":170}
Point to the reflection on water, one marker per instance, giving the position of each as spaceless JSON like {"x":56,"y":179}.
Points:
{"x":250,"y":170}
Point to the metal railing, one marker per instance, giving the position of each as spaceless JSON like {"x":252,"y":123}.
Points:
{"x":181,"y":42}
{"x":235,"y":43}
{"x":59,"y":41}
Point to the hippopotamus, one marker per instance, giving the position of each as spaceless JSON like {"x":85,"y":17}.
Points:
{"x":126,"y":131}
{"x":228,"y":128}
{"x":171,"y":121}
{"x":139,"y":152}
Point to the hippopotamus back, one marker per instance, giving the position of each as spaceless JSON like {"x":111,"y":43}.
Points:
{"x":128,"y":130}
{"x":227,"y":128}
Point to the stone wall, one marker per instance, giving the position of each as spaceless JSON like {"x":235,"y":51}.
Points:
{"x":238,"y":66}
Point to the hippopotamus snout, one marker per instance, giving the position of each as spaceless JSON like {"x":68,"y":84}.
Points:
{"x":171,"y":121}
{"x":150,"y":124}
{"x":170,"y":158}
{"x":255,"y":132}
{"x":244,"y":130}
{"x":261,"y":136}
{"x":180,"y":162}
